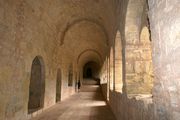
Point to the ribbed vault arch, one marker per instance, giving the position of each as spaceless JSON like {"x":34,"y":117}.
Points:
{"x":132,"y":20}
{"x":70,"y":25}
{"x":89,"y":50}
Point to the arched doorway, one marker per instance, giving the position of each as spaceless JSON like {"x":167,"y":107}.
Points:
{"x":70,"y":76}
{"x":89,"y":73}
{"x":58,"y":86}
{"x":37,"y":85}
{"x":91,"y":70}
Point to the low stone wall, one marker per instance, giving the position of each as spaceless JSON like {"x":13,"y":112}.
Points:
{"x":130,"y":108}
{"x":104,"y":89}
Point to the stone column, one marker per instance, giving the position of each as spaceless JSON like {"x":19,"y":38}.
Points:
{"x":165,"y":28}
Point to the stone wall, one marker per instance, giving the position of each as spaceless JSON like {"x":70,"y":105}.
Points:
{"x":150,"y":83}
{"x":62,"y":32}
{"x":139,"y":75}
{"x":68,"y":32}
{"x":165,"y":22}
{"x":136,"y":108}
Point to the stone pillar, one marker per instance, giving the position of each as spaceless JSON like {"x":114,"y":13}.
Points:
{"x":165,"y":29}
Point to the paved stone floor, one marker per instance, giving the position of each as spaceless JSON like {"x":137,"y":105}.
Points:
{"x":88,"y":104}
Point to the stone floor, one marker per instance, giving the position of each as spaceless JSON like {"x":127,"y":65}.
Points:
{"x":88,"y":104}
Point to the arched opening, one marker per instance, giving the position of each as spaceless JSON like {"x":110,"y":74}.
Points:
{"x":37,"y":85}
{"x":118,"y":63}
{"x":140,"y":70}
{"x":87,"y":21}
{"x":58,"y":86}
{"x":91,"y":73}
{"x":90,"y":70}
{"x":139,"y":73}
{"x":145,"y":36}
{"x":70,"y":76}
{"x":145,"y":69}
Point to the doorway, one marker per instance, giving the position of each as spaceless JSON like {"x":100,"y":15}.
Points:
{"x":37,"y":85}
{"x":58,"y":86}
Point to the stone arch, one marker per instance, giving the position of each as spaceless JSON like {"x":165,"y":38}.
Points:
{"x":138,"y":49}
{"x":37,"y":85}
{"x":88,"y":73}
{"x":91,"y":70}
{"x":147,"y":72}
{"x":132,"y":21}
{"x":118,"y":63}
{"x":58,"y":85}
{"x":145,"y":36}
{"x":89,"y":50}
{"x":70,"y":25}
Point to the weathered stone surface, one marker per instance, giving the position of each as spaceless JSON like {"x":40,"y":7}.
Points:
{"x":150,"y":82}
{"x":58,"y":31}
{"x":135,"y":44}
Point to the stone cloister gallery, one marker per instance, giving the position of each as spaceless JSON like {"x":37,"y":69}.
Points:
{"x":124,"y":55}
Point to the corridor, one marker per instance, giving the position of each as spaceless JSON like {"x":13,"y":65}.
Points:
{"x":125,"y":52}
{"x":88,"y":104}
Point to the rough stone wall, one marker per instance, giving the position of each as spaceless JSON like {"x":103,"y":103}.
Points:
{"x":139,"y":77}
{"x":165,"y":22}
{"x":164,"y":28}
{"x":23,"y":37}
{"x":126,"y":108}
{"x":65,"y":32}
{"x":59,"y":31}
{"x":137,"y":50}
